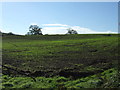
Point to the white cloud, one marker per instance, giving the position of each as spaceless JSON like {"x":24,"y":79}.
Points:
{"x":5,"y":30}
{"x":62,"y":29}
{"x":54,"y":30}
{"x":60,"y":25}
{"x":82,"y":30}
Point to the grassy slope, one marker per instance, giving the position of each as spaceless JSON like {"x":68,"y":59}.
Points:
{"x":65,"y":55}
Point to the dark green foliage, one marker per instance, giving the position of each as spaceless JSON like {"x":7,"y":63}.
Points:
{"x":10,"y":33}
{"x":34,"y":30}
{"x":71,"y":31}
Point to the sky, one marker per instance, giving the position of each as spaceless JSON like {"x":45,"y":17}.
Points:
{"x":57,"y":17}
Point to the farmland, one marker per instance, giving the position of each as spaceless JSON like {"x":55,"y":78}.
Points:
{"x":60,"y":61}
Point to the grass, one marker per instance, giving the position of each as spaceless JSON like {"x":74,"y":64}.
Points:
{"x":106,"y":79}
{"x":71,"y":57}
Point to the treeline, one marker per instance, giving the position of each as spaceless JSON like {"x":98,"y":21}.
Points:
{"x":36,"y":30}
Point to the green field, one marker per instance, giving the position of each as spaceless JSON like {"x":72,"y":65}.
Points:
{"x":60,"y":61}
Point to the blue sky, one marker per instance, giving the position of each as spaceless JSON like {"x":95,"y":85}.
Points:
{"x":56,"y":17}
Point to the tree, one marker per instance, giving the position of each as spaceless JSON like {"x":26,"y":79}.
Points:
{"x":10,"y":33}
{"x":71,"y":31}
{"x":34,"y":30}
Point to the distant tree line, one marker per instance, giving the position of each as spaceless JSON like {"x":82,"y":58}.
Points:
{"x":36,"y":30}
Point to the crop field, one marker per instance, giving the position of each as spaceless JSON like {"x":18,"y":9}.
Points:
{"x":60,"y":61}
